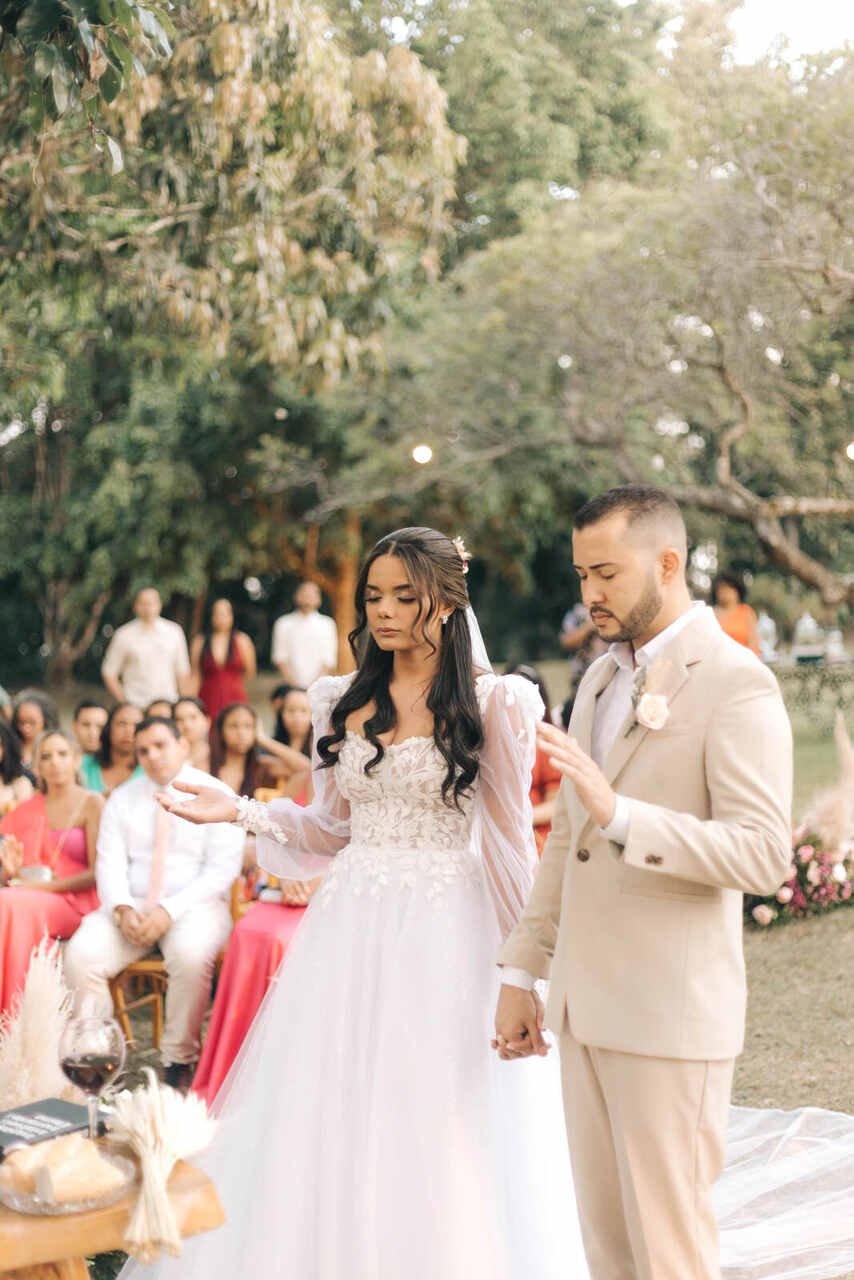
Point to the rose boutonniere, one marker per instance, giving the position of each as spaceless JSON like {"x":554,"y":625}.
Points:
{"x":651,"y":709}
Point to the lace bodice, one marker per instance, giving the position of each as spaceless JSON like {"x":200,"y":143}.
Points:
{"x":392,"y":827}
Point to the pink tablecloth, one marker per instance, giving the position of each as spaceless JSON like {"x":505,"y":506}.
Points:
{"x":257,"y":948}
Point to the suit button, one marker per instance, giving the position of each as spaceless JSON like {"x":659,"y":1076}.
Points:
{"x":583,"y":855}
{"x":653,"y":859}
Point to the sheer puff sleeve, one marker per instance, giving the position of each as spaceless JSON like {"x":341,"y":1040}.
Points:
{"x":503,"y":828}
{"x":296,"y":843}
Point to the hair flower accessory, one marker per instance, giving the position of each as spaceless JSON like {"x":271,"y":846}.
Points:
{"x":464,"y":555}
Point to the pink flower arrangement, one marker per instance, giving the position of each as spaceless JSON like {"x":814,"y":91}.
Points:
{"x":818,"y":880}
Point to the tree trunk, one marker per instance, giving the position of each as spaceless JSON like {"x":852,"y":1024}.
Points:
{"x":344,"y":587}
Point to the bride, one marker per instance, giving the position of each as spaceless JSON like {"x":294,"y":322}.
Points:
{"x":366,"y":1130}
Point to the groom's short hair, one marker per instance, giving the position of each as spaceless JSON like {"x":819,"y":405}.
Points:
{"x":640,"y":504}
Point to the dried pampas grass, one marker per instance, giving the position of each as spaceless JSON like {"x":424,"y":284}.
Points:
{"x":30,"y":1034}
{"x":831,"y":812}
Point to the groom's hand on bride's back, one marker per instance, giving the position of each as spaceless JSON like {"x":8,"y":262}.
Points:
{"x":519,"y":1024}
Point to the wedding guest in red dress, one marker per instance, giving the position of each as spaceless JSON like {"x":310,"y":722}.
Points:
{"x":545,"y":779}
{"x":260,"y":940}
{"x":221,"y":660}
{"x":55,"y":833}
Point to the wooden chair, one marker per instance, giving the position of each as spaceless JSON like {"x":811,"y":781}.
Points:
{"x":151,"y":972}
{"x":150,"y":979}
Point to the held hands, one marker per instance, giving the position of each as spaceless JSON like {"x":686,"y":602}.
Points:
{"x":11,"y":856}
{"x":143,"y":928}
{"x":209,"y":805}
{"x":519,"y":1024}
{"x":591,"y":786}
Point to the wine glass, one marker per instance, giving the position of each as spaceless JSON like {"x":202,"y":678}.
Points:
{"x":91,"y":1054}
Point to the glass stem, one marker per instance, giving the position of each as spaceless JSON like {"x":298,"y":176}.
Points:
{"x":92,"y":1104}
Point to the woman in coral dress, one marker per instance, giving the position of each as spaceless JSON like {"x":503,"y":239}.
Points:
{"x":56,"y":829}
{"x":221,"y":660}
{"x":732,"y":611}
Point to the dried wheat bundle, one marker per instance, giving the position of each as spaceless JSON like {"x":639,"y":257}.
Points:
{"x":161,"y":1126}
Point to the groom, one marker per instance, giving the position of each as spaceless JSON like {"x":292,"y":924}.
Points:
{"x":678,"y":768}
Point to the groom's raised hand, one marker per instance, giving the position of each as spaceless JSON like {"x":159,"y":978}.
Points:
{"x":519,"y":1024}
{"x":591,"y":786}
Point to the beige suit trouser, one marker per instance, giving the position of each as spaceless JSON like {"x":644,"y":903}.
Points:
{"x":646,"y":1138}
{"x":99,"y":950}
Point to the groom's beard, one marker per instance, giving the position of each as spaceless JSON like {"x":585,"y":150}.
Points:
{"x":641,"y":616}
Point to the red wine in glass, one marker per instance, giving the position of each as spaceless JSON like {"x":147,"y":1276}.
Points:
{"x":91,"y":1054}
{"x":91,"y":1072}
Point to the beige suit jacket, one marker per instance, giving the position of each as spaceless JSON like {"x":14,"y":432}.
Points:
{"x":643,"y":944}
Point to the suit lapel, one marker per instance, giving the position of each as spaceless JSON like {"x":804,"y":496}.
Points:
{"x":581,"y":724}
{"x":674,"y":664}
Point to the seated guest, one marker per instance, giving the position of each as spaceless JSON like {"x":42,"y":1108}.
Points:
{"x":191,"y":718}
{"x":55,"y":830}
{"x":220,"y":660}
{"x":160,"y":708}
{"x":161,"y":881}
{"x":237,"y":761}
{"x":32,"y":713}
{"x":293,"y":718}
{"x":15,"y":785}
{"x":545,"y":779}
{"x":736,"y":617}
{"x":115,"y":760}
{"x":89,"y":720}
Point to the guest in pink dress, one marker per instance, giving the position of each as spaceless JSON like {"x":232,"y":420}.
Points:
{"x":220,"y":660}
{"x":256,"y":949}
{"x":56,"y":829}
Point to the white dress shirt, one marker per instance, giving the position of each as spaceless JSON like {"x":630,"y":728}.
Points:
{"x":201,"y":861}
{"x":308,"y":643}
{"x":148,"y":658}
{"x":612,"y":707}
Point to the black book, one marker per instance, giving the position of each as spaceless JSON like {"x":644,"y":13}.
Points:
{"x":36,"y":1121}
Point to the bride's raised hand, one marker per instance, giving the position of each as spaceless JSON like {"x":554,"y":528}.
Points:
{"x":208,"y":804}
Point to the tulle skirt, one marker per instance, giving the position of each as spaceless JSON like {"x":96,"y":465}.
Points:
{"x":367,"y":1130}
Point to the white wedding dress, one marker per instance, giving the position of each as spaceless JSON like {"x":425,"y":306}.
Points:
{"x":368,"y":1131}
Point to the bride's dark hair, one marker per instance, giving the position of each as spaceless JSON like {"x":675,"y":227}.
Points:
{"x":435,"y":571}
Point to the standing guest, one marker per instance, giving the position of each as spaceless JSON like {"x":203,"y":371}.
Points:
{"x":293,"y":718}
{"x":580,"y":639}
{"x":5,"y":705}
{"x":15,"y":785}
{"x":32,"y":714}
{"x":194,"y":722}
{"x":115,"y":760}
{"x":57,"y":830}
{"x":160,"y":709}
{"x":89,"y":720}
{"x":163,"y":882}
{"x":545,"y":778}
{"x":221,"y":660}
{"x":305,"y":642}
{"x":147,"y":658}
{"x":737,"y":619}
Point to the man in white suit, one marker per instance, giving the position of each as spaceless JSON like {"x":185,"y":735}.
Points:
{"x":676,"y":800}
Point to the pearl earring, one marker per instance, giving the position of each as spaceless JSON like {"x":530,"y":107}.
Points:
{"x":445,"y":619}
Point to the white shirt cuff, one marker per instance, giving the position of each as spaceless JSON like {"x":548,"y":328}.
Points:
{"x":617,"y":829}
{"x":518,"y":978}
